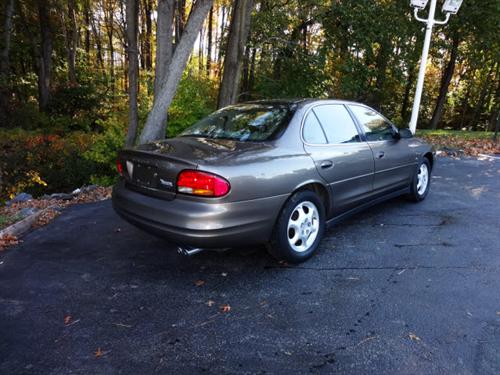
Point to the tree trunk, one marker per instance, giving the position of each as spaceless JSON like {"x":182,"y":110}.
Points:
{"x":180,"y":11}
{"x":7,"y":33}
{"x":4,"y":60}
{"x":497,"y":127}
{"x":482,"y":97}
{"x":164,"y":43}
{"x":87,"y":28}
{"x":445,"y":84}
{"x":71,"y":39}
{"x":381,"y":77}
{"x":210,"y":37}
{"x":156,"y":121}
{"x":496,"y":108}
{"x":44,"y":57}
{"x":133,"y":69}
{"x":149,"y":32}
{"x":238,"y":35}
{"x":98,"y":42}
{"x":405,"y":113}
{"x":109,"y":21}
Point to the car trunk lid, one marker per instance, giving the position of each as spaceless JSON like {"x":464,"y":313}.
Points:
{"x":151,"y":173}
{"x":153,"y":168}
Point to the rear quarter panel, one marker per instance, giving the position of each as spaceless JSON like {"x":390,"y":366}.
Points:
{"x":279,"y":168}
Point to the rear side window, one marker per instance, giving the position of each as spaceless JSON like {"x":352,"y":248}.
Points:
{"x":337,"y":123}
{"x":312,"y":132}
{"x":375,"y":126}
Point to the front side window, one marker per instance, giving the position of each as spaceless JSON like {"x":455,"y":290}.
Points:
{"x":244,"y":122}
{"x":375,"y":126}
{"x":337,"y":123}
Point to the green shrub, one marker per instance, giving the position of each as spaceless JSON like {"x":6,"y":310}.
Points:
{"x":103,"y":152}
{"x":43,"y":163}
{"x":195,"y":98}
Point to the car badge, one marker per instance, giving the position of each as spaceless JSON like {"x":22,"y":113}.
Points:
{"x":130,"y":168}
{"x":166,"y":183}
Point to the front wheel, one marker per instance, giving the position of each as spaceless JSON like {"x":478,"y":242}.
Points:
{"x":421,"y":181}
{"x":299,"y":228}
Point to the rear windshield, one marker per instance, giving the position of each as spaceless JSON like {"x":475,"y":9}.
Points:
{"x":244,"y":122}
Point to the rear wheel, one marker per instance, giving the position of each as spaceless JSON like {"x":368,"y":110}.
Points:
{"x":421,"y":181}
{"x":299,"y":228}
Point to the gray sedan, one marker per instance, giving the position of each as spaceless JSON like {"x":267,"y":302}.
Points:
{"x":269,"y":172}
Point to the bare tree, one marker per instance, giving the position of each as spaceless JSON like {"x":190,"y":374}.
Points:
{"x":157,"y":118}
{"x":133,"y":69}
{"x":238,"y":35}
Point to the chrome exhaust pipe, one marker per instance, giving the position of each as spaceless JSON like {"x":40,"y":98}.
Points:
{"x":189,"y":251}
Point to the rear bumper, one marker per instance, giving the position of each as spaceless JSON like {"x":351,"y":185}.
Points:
{"x":200,"y":223}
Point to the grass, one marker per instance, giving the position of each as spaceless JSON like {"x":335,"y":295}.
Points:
{"x":466,"y":135}
{"x":6,"y":220}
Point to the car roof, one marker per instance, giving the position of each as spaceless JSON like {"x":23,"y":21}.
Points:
{"x":301,"y":101}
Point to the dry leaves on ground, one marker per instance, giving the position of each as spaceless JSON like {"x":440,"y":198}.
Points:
{"x":8,"y":240}
{"x":450,"y":144}
{"x":225,"y":308}
{"x":98,"y":193}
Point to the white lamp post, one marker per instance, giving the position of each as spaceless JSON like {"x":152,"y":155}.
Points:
{"x":449,"y":7}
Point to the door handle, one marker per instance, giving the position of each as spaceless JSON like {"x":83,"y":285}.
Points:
{"x":380,"y":154}
{"x":326,"y":164}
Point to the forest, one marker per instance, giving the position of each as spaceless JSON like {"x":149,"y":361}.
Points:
{"x":79,"y":79}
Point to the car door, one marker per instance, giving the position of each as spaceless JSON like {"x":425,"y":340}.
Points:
{"x":394,"y":164}
{"x":342,"y":158}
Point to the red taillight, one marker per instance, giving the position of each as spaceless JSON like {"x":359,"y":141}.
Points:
{"x":119,"y":167}
{"x":202,"y":183}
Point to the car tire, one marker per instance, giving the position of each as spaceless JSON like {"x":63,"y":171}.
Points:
{"x":299,"y":228}
{"x":421,"y":182}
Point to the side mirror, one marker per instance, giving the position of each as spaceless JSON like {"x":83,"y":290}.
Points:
{"x":404,"y":133}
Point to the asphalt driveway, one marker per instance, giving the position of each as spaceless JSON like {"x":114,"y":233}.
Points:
{"x":402,"y":288}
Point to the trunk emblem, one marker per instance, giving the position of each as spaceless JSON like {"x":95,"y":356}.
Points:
{"x":166,"y":183}
{"x":130,"y":168}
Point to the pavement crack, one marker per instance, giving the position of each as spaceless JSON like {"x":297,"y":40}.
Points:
{"x":394,"y":268}
{"x":444,"y":244}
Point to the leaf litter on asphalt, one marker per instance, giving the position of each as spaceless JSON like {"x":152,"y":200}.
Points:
{"x":199,"y":283}
{"x":101,"y":353}
{"x":414,"y":337}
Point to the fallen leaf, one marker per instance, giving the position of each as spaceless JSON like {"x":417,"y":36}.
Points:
{"x":224,"y":274}
{"x":210,"y":303}
{"x":199,"y":283}
{"x":99,"y":353}
{"x":67,"y":319}
{"x":225,"y":308}
{"x":498,"y":313}
{"x":414,"y":337}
